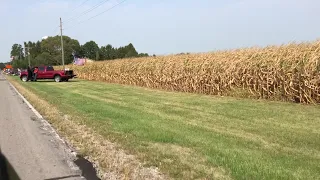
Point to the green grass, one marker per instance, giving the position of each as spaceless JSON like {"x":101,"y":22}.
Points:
{"x":193,"y":136}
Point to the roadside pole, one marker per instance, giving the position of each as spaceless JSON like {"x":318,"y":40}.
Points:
{"x":62,"y":52}
{"x":29,"y":54}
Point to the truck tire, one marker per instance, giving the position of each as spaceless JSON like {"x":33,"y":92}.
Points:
{"x":24,"y":78}
{"x":57,"y":78}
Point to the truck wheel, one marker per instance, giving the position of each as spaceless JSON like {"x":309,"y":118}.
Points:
{"x":57,"y":78}
{"x":24,"y":78}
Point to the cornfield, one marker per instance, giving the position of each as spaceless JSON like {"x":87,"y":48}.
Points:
{"x":289,"y":72}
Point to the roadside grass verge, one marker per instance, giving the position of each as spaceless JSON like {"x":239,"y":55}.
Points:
{"x":110,"y":161}
{"x":189,"y":136}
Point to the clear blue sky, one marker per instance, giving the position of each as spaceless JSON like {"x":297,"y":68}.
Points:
{"x":164,"y":26}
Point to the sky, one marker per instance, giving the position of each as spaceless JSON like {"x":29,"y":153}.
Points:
{"x":162,"y":26}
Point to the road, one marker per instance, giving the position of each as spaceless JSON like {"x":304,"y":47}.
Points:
{"x":33,"y":151}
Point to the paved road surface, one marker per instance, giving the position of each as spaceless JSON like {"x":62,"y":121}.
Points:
{"x":34,"y":153}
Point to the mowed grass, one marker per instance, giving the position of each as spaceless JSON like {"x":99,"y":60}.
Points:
{"x":191,"y":136}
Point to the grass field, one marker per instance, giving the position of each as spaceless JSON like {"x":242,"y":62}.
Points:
{"x":190,"y":136}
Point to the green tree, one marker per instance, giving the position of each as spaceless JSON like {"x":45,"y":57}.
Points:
{"x":126,"y":52}
{"x":44,"y":59}
{"x":48,"y":51}
{"x":90,"y":49}
{"x":35,"y":48}
{"x":106,"y":52}
{"x":2,"y":65}
{"x":52,"y":46}
{"x":114,"y":53}
{"x":97,"y":55}
{"x":130,"y":51}
{"x":17,"y":51}
{"x":143,"y":55}
{"x":121,"y":52}
{"x":109,"y":52}
{"x":20,"y":63}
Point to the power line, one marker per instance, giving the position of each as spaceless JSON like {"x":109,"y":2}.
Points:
{"x":55,"y":30}
{"x":38,"y":1}
{"x":87,"y":11}
{"x":42,"y":1}
{"x":80,"y":5}
{"x":101,"y":13}
{"x":105,"y":10}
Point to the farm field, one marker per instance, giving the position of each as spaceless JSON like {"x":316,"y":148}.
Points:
{"x":191,"y":136}
{"x":289,"y":72}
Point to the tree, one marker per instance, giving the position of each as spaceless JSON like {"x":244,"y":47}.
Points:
{"x":52,"y":46}
{"x":90,"y":49}
{"x":97,"y":55}
{"x":48,"y":51}
{"x":18,"y":63}
{"x":114,"y":53}
{"x":130,"y":51}
{"x":2,"y":65}
{"x":126,"y":52}
{"x":43,"y":59}
{"x":17,"y":51}
{"x":106,"y":52}
{"x":121,"y":52}
{"x":35,"y":48}
{"x":143,"y":55}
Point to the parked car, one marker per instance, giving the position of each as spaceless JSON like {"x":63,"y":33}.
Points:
{"x":48,"y":72}
{"x":14,"y":72}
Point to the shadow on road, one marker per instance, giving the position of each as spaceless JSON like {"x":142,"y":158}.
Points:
{"x":7,"y":172}
{"x":88,"y":171}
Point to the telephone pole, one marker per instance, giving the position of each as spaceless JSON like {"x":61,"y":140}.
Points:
{"x":62,"y":52}
{"x":28,"y":54}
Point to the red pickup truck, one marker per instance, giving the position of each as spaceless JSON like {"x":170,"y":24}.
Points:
{"x":48,"y":72}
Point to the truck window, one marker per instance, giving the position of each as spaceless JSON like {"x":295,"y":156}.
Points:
{"x":50,"y":68}
{"x":41,"y":68}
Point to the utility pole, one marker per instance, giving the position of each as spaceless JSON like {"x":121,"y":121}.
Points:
{"x":28,"y":54}
{"x":62,"y":52}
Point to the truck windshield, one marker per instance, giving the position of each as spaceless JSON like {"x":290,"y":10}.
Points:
{"x":50,"y":68}
{"x":41,"y":68}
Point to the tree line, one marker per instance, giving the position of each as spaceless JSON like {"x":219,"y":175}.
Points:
{"x":2,"y":65}
{"x":48,"y":52}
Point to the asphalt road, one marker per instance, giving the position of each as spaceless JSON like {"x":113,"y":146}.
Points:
{"x":33,"y":151}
